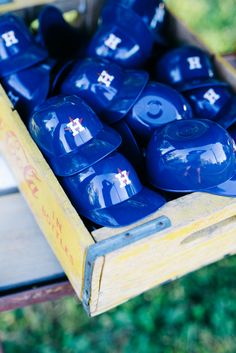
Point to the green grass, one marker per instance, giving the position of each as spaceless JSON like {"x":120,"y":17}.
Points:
{"x":196,"y":314}
{"x":213,"y":20}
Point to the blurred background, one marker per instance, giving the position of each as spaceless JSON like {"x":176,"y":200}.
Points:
{"x":193,"y":314}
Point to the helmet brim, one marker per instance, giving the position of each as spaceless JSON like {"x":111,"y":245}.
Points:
{"x":105,"y":142}
{"x":133,"y":85}
{"x":20,"y":62}
{"x":228,"y":117}
{"x":188,"y":86}
{"x":228,"y":188}
{"x":127,"y":212}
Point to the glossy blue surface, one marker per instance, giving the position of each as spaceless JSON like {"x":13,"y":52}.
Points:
{"x":184,"y":67}
{"x":215,"y":101}
{"x":26,"y":93}
{"x":129,"y":147}
{"x":110,"y":194}
{"x":61,"y":40}
{"x":152,"y":13}
{"x":17,"y":48}
{"x":126,"y":40}
{"x":157,"y":105}
{"x":109,"y":89}
{"x":190,"y":155}
{"x":70,"y":134}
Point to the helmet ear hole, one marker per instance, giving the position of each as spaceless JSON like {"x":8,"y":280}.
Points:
{"x":157,"y":106}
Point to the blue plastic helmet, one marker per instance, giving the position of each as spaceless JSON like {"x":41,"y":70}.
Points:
{"x":157,"y":105}
{"x":109,"y":89}
{"x":192,"y":155}
{"x":61,"y":40}
{"x":152,"y":13}
{"x":17,"y":48}
{"x":26,"y":93}
{"x":184,"y":67}
{"x":70,"y":134}
{"x":213,"y":101}
{"x":110,"y":194}
{"x":125,"y":40}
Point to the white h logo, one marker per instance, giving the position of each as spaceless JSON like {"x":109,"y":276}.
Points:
{"x":211,"y":96}
{"x":123,"y":177}
{"x":75,"y":126}
{"x":112,"y":41}
{"x":105,"y":78}
{"x":9,"y":38}
{"x":158,"y":17}
{"x":194,"y":63}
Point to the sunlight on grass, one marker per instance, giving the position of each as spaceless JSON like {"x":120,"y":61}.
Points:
{"x":213,"y":20}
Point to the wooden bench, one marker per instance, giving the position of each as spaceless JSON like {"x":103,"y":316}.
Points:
{"x":29,"y":271}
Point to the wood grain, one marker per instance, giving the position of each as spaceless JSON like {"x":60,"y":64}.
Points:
{"x":150,"y":262}
{"x":35,"y":296}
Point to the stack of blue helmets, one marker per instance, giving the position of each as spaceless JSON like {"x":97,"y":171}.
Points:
{"x":196,"y":154}
{"x":128,"y":31}
{"x":190,"y":70}
{"x":101,"y":183}
{"x":24,"y":73}
{"x":108,"y":124}
{"x":126,"y":100}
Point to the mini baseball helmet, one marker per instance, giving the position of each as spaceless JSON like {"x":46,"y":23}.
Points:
{"x":17,"y":48}
{"x":61,"y":40}
{"x":125,"y":40}
{"x":152,"y":13}
{"x":70,"y":134}
{"x":157,"y":105}
{"x":26,"y":93}
{"x":214,"y":101}
{"x":110,"y":194}
{"x":109,"y":89}
{"x":192,"y":155}
{"x":184,"y":67}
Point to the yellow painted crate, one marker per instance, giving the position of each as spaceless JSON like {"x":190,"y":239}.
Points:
{"x":109,"y":266}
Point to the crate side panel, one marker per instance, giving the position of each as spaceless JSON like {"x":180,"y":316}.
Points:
{"x":53,"y":211}
{"x":154,"y":261}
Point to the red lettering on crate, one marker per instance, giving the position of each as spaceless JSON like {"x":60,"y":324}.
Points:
{"x":56,"y":227}
{"x":31,"y":178}
{"x":17,"y":152}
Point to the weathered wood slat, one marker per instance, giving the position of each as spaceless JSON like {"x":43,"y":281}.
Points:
{"x":35,"y":296}
{"x":156,"y":260}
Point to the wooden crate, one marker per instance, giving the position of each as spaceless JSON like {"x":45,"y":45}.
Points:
{"x":109,"y":266}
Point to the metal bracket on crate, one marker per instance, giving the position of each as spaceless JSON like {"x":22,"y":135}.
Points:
{"x":117,"y":242}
